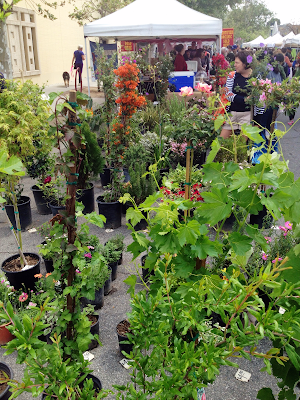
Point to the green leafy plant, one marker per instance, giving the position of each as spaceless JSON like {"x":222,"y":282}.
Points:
{"x":139,"y":187}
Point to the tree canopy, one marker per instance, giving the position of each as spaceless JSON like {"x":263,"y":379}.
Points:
{"x":214,"y":8}
{"x":249,"y":20}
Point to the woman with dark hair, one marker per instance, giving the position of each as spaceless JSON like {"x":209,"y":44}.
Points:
{"x":179,"y":63}
{"x":236,"y":92}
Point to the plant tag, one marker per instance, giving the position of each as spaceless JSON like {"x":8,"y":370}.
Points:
{"x":88,"y":356}
{"x":281,"y":310}
{"x":26,"y":267}
{"x":124,"y":363}
{"x":201,"y":394}
{"x":242,"y":376}
{"x":32,"y":230}
{"x":109,"y":230}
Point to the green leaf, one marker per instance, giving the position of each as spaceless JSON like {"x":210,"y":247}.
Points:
{"x":95,"y":219}
{"x":265,"y":394}
{"x":293,"y":356}
{"x":204,"y":247}
{"x":240,"y":243}
{"x":218,"y":122}
{"x":217,"y":205}
{"x":70,"y":248}
{"x":10,"y":166}
{"x":252,"y":132}
{"x":134,"y":216}
{"x":188,"y":233}
{"x":53,"y":95}
{"x":131,"y":281}
{"x":215,"y":147}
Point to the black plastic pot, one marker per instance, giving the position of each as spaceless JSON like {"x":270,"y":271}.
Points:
{"x":96,"y":381}
{"x":162,"y":171}
{"x":8,"y":371}
{"x":94,"y":331}
{"x":49,"y":266}
{"x":127,"y":347}
{"x":114,"y":270}
{"x":259,"y":219}
{"x":120,"y":259}
{"x":228,"y":224}
{"x":19,"y":279}
{"x":105,"y":177}
{"x":142,"y":224}
{"x":126,"y":175}
{"x":112,"y":212}
{"x":200,"y":160}
{"x":87,"y":198}
{"x":24,"y":213}
{"x":107,"y":284}
{"x":98,"y":302}
{"x":145,"y":271}
{"x":124,"y":207}
{"x":55,"y":208}
{"x":42,"y":202}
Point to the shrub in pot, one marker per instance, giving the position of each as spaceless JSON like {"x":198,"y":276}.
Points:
{"x":118,"y":241}
{"x":19,"y":269}
{"x":91,"y":165}
{"x":183,"y":281}
{"x":111,"y":255}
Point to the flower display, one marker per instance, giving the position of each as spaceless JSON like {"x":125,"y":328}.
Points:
{"x":88,"y":255}
{"x":180,"y":193}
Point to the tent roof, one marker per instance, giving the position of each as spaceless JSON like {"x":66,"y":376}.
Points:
{"x":156,"y":19}
{"x":275,"y":40}
{"x":293,"y":40}
{"x":255,"y":42}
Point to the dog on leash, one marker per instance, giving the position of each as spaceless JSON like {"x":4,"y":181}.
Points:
{"x":66,"y":78}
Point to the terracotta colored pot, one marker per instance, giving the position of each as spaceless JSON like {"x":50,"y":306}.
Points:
{"x":5,"y":335}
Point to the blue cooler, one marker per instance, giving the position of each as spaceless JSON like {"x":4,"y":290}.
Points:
{"x":181,"y":79}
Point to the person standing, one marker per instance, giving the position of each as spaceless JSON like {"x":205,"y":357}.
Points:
{"x":180,"y":63}
{"x":78,"y":57}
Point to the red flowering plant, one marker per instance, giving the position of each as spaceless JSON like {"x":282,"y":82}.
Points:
{"x":222,"y":69}
{"x":179,"y":193}
{"x":128,"y":101}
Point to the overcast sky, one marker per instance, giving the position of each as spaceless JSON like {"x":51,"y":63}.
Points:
{"x":286,"y":10}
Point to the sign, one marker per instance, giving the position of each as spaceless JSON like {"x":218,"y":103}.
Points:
{"x":127,"y":46}
{"x":227,"y":37}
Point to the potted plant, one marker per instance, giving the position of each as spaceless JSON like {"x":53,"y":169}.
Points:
{"x":55,"y":190}
{"x":21,"y":268}
{"x":111,"y":254}
{"x":6,"y":374}
{"x":128,"y":102}
{"x":118,"y":241}
{"x":91,"y":165}
{"x":188,"y":293}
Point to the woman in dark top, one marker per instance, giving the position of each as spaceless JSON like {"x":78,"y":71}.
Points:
{"x":237,"y":80}
{"x":179,"y":63}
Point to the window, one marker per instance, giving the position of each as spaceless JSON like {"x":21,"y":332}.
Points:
{"x":21,"y":28}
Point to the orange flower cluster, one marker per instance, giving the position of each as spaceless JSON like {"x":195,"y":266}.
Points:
{"x":222,"y":105}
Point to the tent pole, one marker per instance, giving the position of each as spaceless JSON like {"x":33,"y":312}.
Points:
{"x":87,"y":67}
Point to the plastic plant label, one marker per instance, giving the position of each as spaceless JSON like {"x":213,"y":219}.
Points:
{"x":242,"y":376}
{"x":201,"y":394}
{"x":32,"y":230}
{"x":109,"y":230}
{"x":26,"y":267}
{"x":88,"y":356}
{"x":124,"y":363}
{"x":281,"y":310}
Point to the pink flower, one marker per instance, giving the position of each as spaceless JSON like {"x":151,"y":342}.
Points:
{"x":47,"y":179}
{"x":268,"y":239}
{"x":186,"y":91}
{"x":31,"y":304}
{"x":264,"y":256}
{"x":262,"y":97}
{"x":91,"y":247}
{"x":276,"y":259}
{"x":77,"y":271}
{"x":23,"y":297}
{"x":253,"y":83}
{"x":283,"y":228}
{"x":203,"y":87}
{"x":268,"y":81}
{"x":288,"y":225}
{"x":88,"y":255}
{"x":3,"y":281}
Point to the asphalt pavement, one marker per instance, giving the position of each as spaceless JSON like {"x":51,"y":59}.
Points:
{"x":106,"y":362}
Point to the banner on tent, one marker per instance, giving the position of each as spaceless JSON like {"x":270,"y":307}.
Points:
{"x":109,"y":50}
{"x":227,"y":37}
{"x":127,"y":46}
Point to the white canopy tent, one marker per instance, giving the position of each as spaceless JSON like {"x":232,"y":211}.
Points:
{"x":288,"y":36}
{"x":273,"y":41}
{"x":157,"y":20}
{"x":293,"y":40}
{"x":255,"y":42}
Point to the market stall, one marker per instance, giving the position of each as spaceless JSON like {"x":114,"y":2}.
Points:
{"x":161,"y":22}
{"x":255,"y":42}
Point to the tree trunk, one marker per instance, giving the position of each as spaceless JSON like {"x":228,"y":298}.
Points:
{"x":5,"y":56}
